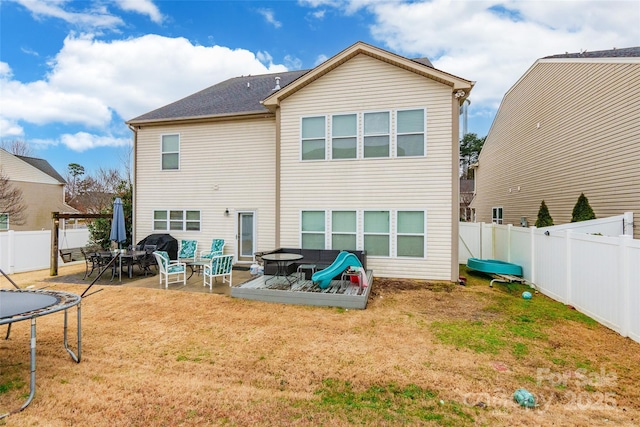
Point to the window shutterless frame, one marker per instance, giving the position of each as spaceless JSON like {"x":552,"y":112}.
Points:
{"x":170,"y":152}
{"x":313,"y":138}
{"x":411,"y":133}
{"x":176,"y":220}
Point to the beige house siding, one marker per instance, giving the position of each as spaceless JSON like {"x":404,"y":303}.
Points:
{"x":223,"y":165}
{"x":41,"y":199}
{"x":41,"y":193}
{"x":18,"y":170}
{"x":364,"y":84}
{"x":567,"y":127}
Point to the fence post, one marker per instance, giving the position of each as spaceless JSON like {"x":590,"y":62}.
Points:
{"x":532,"y":243}
{"x":625,"y":282}
{"x":509,"y":227}
{"x":627,"y":223}
{"x":568,"y":261}
{"x":11,"y":252}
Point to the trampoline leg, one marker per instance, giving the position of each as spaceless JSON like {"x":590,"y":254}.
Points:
{"x":32,"y":384}
{"x":8,"y":331}
{"x":66,"y":342}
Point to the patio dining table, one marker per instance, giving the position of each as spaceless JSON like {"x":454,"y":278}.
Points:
{"x":282,"y":260}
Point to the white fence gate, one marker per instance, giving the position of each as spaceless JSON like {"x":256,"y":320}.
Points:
{"x":593,"y":266}
{"x":22,"y":251}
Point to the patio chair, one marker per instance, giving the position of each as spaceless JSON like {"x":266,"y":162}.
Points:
{"x":148,"y":260}
{"x":217,"y":247}
{"x":92,"y":261}
{"x":172,"y":271}
{"x":188,"y":250}
{"x":220,"y":266}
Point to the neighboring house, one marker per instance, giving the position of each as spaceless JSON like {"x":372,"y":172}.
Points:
{"x":570,"y":125}
{"x":42,"y":190}
{"x":466,"y":196}
{"x":361,"y":152}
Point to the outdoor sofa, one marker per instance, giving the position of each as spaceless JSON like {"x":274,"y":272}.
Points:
{"x":321,"y":258}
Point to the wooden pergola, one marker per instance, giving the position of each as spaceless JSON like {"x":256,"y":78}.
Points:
{"x":56,"y":217}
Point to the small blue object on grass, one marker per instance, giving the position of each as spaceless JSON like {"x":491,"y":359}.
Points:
{"x":524,"y":398}
{"x":526,"y":295}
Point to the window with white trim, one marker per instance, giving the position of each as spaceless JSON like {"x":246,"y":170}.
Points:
{"x":344,"y":231}
{"x":377,"y":232}
{"x":410,"y":133}
{"x":313,"y":229}
{"x":4,"y":221}
{"x":376,"y":134}
{"x":176,"y":220}
{"x":170,"y":152}
{"x":496,"y":215}
{"x":410,"y":234}
{"x":313,"y":140}
{"x":344,"y":136}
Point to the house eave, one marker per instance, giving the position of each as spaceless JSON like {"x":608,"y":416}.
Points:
{"x":201,"y":119}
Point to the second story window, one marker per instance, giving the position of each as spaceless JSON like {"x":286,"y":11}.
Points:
{"x":344,"y":136}
{"x":313,"y":138}
{"x":376,"y":134}
{"x":410,"y":133}
{"x":171,"y":152}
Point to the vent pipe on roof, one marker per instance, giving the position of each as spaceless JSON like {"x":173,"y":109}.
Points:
{"x":277,"y":84}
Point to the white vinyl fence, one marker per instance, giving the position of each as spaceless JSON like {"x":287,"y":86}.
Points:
{"x":22,"y":251}
{"x":594,"y":266}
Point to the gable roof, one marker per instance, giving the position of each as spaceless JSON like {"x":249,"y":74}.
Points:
{"x":251,"y":95}
{"x":417,"y":66}
{"x":42,"y":165}
{"x":627,"y":52}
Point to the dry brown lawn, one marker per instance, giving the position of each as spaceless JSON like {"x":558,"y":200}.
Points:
{"x":166,"y":358}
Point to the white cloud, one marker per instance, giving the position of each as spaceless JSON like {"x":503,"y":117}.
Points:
{"x":96,"y":17}
{"x":292,"y":62}
{"x":494,"y":43}
{"x":89,"y":79}
{"x":10,"y":128}
{"x":320,"y":59}
{"x":144,"y":7}
{"x":82,"y":141}
{"x":270,"y":17}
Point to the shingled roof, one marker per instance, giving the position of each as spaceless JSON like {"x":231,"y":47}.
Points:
{"x":627,"y":52}
{"x":239,"y":95}
{"x":43,"y":166}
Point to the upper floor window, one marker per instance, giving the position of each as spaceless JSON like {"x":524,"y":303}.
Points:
{"x":410,"y":133}
{"x":170,"y":152}
{"x":4,"y":221}
{"x":313,"y":230}
{"x":376,"y":233}
{"x":313,"y":138}
{"x":179,"y":220}
{"x":344,"y":136}
{"x":496,"y":215}
{"x":376,"y":134}
{"x":411,"y":234}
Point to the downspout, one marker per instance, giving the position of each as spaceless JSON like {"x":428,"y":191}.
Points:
{"x":456,"y":100}
{"x":133,"y":183}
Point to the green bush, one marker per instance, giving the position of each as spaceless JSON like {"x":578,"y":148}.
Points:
{"x":544,"y":217}
{"x":100,"y":229}
{"x":582,"y":210}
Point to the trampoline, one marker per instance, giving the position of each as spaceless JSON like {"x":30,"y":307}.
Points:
{"x":17,"y":305}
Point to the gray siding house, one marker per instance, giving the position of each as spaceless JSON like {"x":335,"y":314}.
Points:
{"x":570,"y":125}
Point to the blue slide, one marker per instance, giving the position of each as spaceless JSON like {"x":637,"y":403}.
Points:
{"x":343,"y":260}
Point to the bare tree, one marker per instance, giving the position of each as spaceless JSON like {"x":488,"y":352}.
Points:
{"x":95,"y":192}
{"x":12,"y":206}
{"x":17,"y":147}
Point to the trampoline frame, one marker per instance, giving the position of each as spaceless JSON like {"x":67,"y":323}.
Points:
{"x":65,"y":300}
